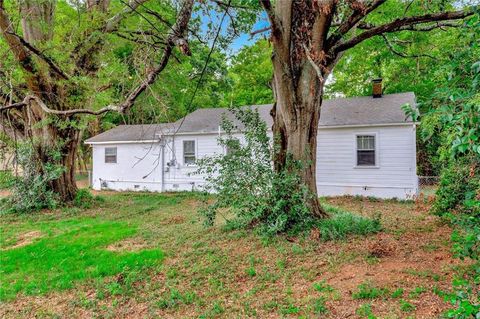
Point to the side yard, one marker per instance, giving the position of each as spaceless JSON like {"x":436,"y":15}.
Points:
{"x":148,"y":255}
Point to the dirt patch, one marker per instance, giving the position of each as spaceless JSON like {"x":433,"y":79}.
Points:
{"x":25,"y":239}
{"x":381,"y":245}
{"x":4,"y":193}
{"x":173,"y":220}
{"x":129,"y":244}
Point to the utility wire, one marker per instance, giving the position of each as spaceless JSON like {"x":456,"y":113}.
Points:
{"x":189,"y":105}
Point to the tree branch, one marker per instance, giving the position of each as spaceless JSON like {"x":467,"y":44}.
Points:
{"x":313,"y":64}
{"x":175,"y":38}
{"x":401,"y":54}
{"x":32,"y":98}
{"x":228,"y":5}
{"x":19,"y":51}
{"x":399,"y":25}
{"x":91,"y":45}
{"x":112,"y":23}
{"x":261,"y":30}
{"x":42,"y":56}
{"x":351,"y":22}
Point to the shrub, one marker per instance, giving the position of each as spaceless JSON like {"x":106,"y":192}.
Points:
{"x":250,"y":193}
{"x":342,"y":223}
{"x":84,"y":199}
{"x":459,"y":184}
{"x":457,"y":200}
{"x":30,"y":190}
{"x":247,"y":186}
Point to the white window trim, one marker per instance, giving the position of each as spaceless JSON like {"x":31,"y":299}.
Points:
{"x":105,"y":155}
{"x":196,"y":152}
{"x":377,"y":157}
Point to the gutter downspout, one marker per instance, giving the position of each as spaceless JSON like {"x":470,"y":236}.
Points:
{"x":162,"y":143}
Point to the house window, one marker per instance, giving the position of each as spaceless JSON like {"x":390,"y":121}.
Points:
{"x":110,"y":155}
{"x":366,"y":150}
{"x":189,"y":152}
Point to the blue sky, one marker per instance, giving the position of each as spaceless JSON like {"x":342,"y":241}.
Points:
{"x":246,"y":39}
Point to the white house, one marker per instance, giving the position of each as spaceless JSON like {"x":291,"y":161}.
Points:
{"x":366,"y":146}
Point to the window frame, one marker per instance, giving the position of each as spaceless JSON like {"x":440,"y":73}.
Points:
{"x":376,"y":150}
{"x":111,"y":155}
{"x":194,"y":152}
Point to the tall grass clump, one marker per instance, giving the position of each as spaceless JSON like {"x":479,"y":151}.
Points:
{"x":343,"y":223}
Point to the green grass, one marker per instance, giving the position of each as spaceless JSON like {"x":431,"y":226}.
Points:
{"x":405,"y":306}
{"x":194,"y":271}
{"x":67,"y":251}
{"x":365,"y":311}
{"x":343,"y":223}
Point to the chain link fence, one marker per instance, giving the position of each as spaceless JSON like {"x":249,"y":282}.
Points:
{"x":428,"y":184}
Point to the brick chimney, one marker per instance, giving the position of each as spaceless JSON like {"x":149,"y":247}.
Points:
{"x":377,"y":87}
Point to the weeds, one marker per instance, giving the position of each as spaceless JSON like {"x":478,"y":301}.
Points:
{"x":368,"y":291}
{"x":405,"y":306}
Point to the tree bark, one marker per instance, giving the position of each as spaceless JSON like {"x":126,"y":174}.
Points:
{"x":298,"y":90}
{"x":37,"y":18}
{"x":101,"y":5}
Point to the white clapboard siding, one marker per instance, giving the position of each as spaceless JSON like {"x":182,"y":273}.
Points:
{"x":395,"y":171}
{"x":136,"y":167}
{"x":139,"y":166}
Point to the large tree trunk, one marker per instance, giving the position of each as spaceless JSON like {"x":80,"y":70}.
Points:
{"x":64,"y":144}
{"x":296,"y":133}
{"x":298,"y":88}
{"x":49,"y":136}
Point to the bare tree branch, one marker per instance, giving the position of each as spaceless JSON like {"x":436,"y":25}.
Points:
{"x":261,"y":30}
{"x":314,"y":65}
{"x":401,"y":24}
{"x":27,"y":101}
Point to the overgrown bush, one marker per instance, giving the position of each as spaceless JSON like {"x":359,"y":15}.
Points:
{"x":456,"y":122}
{"x":250,"y":193}
{"x":458,"y":187}
{"x":84,"y":198}
{"x":29,"y":191}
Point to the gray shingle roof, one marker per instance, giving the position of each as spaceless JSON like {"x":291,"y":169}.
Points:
{"x":129,"y":133}
{"x":363,"y":110}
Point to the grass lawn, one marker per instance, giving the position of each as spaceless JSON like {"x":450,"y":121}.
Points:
{"x":148,"y":256}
